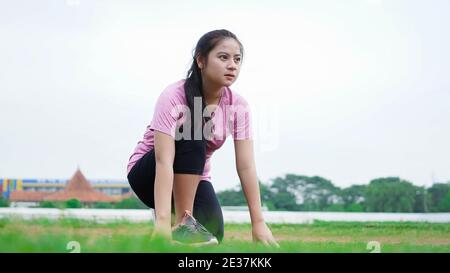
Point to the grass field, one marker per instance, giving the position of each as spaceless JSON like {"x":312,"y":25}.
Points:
{"x":42,"y":235}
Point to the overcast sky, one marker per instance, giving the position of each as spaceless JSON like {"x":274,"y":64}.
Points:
{"x":348,"y":90}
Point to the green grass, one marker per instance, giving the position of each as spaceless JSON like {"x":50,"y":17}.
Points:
{"x":43,"y":235}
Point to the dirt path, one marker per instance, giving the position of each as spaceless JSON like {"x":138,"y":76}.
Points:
{"x":392,"y":239}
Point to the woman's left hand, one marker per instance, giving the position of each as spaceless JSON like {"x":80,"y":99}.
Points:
{"x":261,"y":233}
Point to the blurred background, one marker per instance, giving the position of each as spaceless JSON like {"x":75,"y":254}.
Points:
{"x":351,"y":117}
{"x":345,"y":92}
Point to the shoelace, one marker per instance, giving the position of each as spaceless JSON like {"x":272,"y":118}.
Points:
{"x":189,"y":228}
{"x":201,"y":227}
{"x":197,"y":227}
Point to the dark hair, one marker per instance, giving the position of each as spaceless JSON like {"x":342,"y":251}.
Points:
{"x":193,"y":86}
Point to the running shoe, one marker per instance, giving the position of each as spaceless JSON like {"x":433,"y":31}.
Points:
{"x":191,"y":232}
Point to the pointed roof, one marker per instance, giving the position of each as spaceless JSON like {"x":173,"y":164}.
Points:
{"x":79,"y":188}
{"x":78,"y":183}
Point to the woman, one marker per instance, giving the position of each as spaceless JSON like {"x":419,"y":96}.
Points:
{"x":192,"y":119}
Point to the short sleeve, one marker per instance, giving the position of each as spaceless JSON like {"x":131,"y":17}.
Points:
{"x":241,"y":120}
{"x":167,"y":112}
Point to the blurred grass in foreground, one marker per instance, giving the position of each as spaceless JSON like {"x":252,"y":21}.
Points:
{"x":43,"y":235}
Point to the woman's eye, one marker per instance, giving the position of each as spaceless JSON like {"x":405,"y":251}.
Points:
{"x":238,"y":60}
{"x":223,"y":57}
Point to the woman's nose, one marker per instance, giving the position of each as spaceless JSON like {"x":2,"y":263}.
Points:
{"x":232,"y":65}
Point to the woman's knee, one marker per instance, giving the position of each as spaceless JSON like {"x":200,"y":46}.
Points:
{"x":190,"y":156}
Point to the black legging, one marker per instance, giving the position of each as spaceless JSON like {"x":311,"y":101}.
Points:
{"x":189,"y":158}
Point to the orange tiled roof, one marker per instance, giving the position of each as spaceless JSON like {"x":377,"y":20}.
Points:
{"x":27,"y":196}
{"x":79,"y":188}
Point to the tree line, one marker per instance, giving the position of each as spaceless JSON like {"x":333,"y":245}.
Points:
{"x":304,"y":193}
{"x":314,"y":193}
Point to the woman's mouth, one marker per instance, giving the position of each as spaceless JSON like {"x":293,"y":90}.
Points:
{"x":229,"y":76}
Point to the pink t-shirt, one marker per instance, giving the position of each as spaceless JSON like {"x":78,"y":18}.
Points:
{"x":232,"y":116}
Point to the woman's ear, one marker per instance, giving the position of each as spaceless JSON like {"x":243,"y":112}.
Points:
{"x":199,"y":61}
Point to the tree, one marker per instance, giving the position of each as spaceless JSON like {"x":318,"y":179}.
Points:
{"x":285,"y":200}
{"x":335,"y":207}
{"x":353,"y":197}
{"x":4,"y":202}
{"x":130,"y":203}
{"x":47,"y":204}
{"x":444,"y":203}
{"x":73,"y":204}
{"x":266,"y":196}
{"x":422,"y":200}
{"x":232,"y":197}
{"x":437,"y":192}
{"x":355,"y":208}
{"x":284,"y":193}
{"x":304,"y":193}
{"x":390,"y":194}
{"x":103,"y":205}
{"x":236,"y":197}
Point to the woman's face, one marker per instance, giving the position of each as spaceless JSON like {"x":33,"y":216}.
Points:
{"x":224,"y":63}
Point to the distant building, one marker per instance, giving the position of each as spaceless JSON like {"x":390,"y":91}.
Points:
{"x":31,"y":193}
{"x":114,"y":188}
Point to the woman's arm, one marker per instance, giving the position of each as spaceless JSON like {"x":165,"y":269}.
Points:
{"x":164,"y":156}
{"x":246,"y":169}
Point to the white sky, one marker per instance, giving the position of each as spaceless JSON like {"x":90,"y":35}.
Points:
{"x":348,"y":90}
